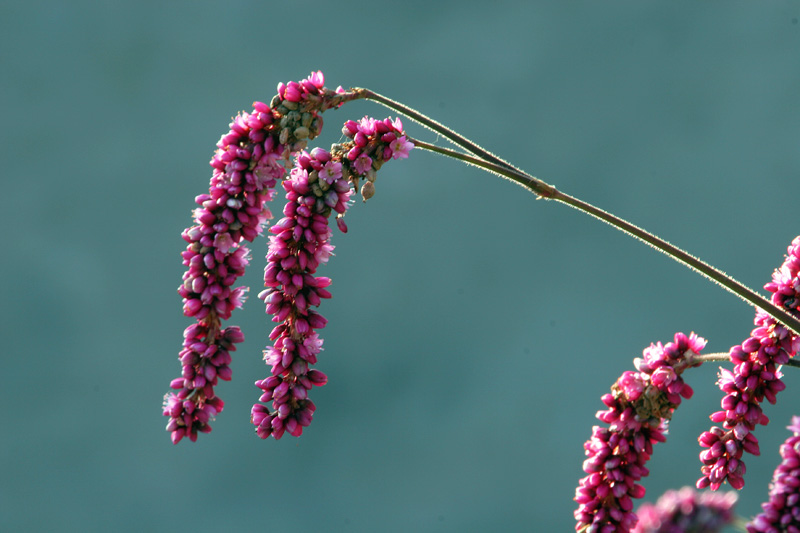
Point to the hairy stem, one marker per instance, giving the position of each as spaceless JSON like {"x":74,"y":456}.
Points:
{"x":544,"y":190}
{"x":725,"y":356}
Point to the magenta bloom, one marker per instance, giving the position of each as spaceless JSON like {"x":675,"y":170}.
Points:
{"x":400,"y":147}
{"x":362,"y":164}
{"x":249,"y":160}
{"x":755,"y":376}
{"x":320,"y":185}
{"x":782,"y":511}
{"x":681,"y":511}
{"x":639,"y":408}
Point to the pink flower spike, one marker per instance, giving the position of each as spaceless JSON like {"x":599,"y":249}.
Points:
{"x":639,"y":408}
{"x":320,"y":185}
{"x":755,"y":376}
{"x":299,"y":245}
{"x":246,"y":166}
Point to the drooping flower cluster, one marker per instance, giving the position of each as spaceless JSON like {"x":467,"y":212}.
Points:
{"x":686,"y":511}
{"x":248,"y":161}
{"x":373,"y":143}
{"x":755,"y":376}
{"x":782,"y":511}
{"x":299,"y":245}
{"x":639,"y":407}
{"x":320,"y":184}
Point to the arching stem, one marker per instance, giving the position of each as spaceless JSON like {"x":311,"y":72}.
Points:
{"x":544,"y":190}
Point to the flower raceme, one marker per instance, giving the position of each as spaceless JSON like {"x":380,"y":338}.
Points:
{"x":638,"y":410}
{"x":320,"y":184}
{"x":755,"y":376}
{"x":299,"y":245}
{"x":249,"y":160}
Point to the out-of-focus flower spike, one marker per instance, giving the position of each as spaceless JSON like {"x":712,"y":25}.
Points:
{"x":782,"y":511}
{"x":687,"y":510}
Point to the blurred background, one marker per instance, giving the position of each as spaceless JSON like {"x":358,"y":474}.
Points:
{"x":472,"y":329}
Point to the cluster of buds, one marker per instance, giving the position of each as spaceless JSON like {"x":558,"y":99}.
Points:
{"x":321,"y":184}
{"x":638,"y":410}
{"x":299,"y":106}
{"x":373,"y":143}
{"x":755,"y":376}
{"x":203,"y":363}
{"x":249,"y":160}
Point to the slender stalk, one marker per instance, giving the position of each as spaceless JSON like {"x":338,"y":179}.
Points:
{"x":540,"y":188}
{"x":724,"y":356}
{"x":544,"y":190}
{"x":714,"y":274}
{"x":711,"y":357}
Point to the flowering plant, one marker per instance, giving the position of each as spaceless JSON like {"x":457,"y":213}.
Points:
{"x":269,"y":145}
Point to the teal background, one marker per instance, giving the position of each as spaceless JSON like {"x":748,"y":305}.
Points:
{"x":472,"y":329}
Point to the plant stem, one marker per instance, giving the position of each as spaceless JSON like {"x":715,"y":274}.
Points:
{"x":544,"y":190}
{"x":724,"y":356}
{"x":537,"y":186}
